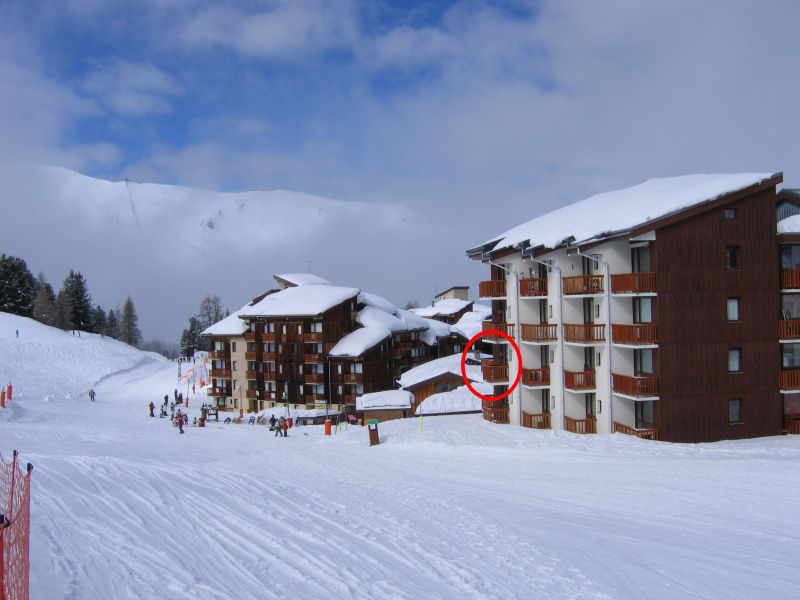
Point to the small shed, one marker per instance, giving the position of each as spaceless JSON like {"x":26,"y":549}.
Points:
{"x":384,"y":406}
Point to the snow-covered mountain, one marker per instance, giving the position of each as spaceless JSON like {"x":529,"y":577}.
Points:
{"x":168,"y":246}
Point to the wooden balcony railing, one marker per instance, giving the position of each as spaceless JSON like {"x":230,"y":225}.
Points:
{"x":790,"y":379}
{"x":347,"y":399}
{"x":640,"y":387}
{"x":251,"y":374}
{"x":790,"y":279}
{"x":496,"y":414}
{"x":793,"y":426}
{"x":534,"y":286}
{"x":250,"y":355}
{"x":217,"y":391}
{"x":312,"y":336}
{"x":268,"y":336}
{"x":583,"y":284}
{"x":218,"y":354}
{"x":647,"y":433}
{"x":584,"y":333}
{"x":535,"y":377}
{"x":314,"y":358}
{"x":495,"y":373}
{"x":633,"y":283}
{"x":221,"y":373}
{"x":536,"y":420}
{"x":579,"y":380}
{"x":494,"y":288}
{"x":250,"y":336}
{"x":252,"y":393}
{"x":633,"y":335}
{"x":315,"y":378}
{"x":269,"y":356}
{"x":351,"y":378}
{"x":587,"y":425}
{"x":506,"y":328}
{"x":789,"y":329}
{"x":543,"y":332}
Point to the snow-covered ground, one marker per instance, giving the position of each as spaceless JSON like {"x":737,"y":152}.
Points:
{"x":125,"y":507}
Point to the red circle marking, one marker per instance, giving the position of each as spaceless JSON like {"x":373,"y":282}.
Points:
{"x":475,"y":338}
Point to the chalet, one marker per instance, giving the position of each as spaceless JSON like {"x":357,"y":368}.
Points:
{"x":438,"y":376}
{"x":651,"y":311}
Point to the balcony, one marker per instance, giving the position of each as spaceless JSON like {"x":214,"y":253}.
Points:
{"x":269,"y":356}
{"x":534,"y":286}
{"x":400,"y":353}
{"x":252,"y":393}
{"x":790,"y":279}
{"x":583,"y":284}
{"x":494,"y":288}
{"x":218,"y":354}
{"x":251,"y":355}
{"x":579,"y":380}
{"x":633,"y":283}
{"x":646,"y":433}
{"x":220,"y":373}
{"x":536,"y":420}
{"x":637,"y":387}
{"x":268,"y":336}
{"x":312,"y":336}
{"x":790,"y":380}
{"x":587,"y":425}
{"x":250,"y":336}
{"x":313,"y":358}
{"x":314,"y":378}
{"x":639,"y":334}
{"x":251,"y":374}
{"x":347,"y":399}
{"x":789,"y":329}
{"x":216,"y":391}
{"x":538,"y":334}
{"x":792,"y":426}
{"x":506,"y":328}
{"x":494,"y":372}
{"x":351,"y":378}
{"x":496,"y":414}
{"x":587,"y":333}
{"x":536,"y":377}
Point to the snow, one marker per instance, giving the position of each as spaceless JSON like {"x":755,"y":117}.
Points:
{"x":455,"y":401}
{"x":370,"y":316}
{"x":446,"y":307}
{"x":437,"y":367}
{"x":299,"y":279}
{"x":123,"y":507}
{"x":789,"y":224}
{"x":471,"y":323}
{"x":380,"y":302}
{"x":436,"y":329}
{"x":231,"y":325}
{"x":359,"y":341}
{"x":621,"y":210}
{"x":384,"y":400}
{"x":302,"y":301}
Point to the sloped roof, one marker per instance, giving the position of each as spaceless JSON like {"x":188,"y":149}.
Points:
{"x":622,"y":210}
{"x":231,"y":325}
{"x":298,"y":279}
{"x":301,"y":301}
{"x":446,"y":307}
{"x":382,"y":400}
{"x":359,"y":341}
{"x":440,"y":366}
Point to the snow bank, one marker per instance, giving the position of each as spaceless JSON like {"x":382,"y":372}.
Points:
{"x":789,"y":224}
{"x":385,"y":399}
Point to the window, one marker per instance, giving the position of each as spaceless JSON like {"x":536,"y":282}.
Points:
{"x":316,"y":327}
{"x":642,"y":310}
{"x":735,"y":411}
{"x":730,"y":214}
{"x":643,"y":362}
{"x":358,"y":368}
{"x":234,"y":365}
{"x":790,"y":356}
{"x":235,"y":384}
{"x":233,"y":346}
{"x":790,"y":257}
{"x":733,"y":309}
{"x":732,"y":258}
{"x":734,"y":360}
{"x":271,"y":327}
{"x":640,"y":259}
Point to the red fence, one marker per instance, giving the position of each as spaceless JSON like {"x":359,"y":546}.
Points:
{"x":15,"y":503}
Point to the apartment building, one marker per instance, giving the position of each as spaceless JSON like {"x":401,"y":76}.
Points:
{"x":651,"y":311}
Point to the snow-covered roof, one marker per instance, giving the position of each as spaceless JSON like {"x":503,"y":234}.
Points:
{"x":458,"y":400}
{"x":412,"y":321}
{"x":448,"y":306}
{"x":370,"y":316}
{"x":789,"y":224}
{"x":359,"y":341}
{"x":384,"y":400}
{"x":436,"y":329}
{"x":437,"y":367}
{"x":301,"y":279}
{"x":230,"y":325}
{"x":471,"y":323}
{"x":306,"y":300}
{"x":377,"y":301}
{"x":622,"y":210}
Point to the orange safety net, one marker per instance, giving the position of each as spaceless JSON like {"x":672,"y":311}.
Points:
{"x":15,"y":504}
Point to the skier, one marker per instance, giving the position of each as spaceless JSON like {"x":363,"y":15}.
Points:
{"x":17,"y":332}
{"x":179,"y":420}
{"x":279,"y":428}
{"x":163,"y":413}
{"x":91,"y":395}
{"x":285,"y":427}
{"x":152,"y":409}
{"x":272,"y":421}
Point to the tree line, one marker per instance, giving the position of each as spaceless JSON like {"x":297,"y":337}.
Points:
{"x":210,"y":312}
{"x":71,"y":308}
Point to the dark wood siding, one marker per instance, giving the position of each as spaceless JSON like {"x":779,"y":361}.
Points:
{"x":693,"y":286}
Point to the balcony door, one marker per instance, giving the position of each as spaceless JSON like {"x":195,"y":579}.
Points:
{"x":542,"y":312}
{"x":640,"y":259}
{"x":544,"y":356}
{"x":642,"y":310}
{"x":644,"y":414}
{"x":589,"y":401}
{"x":588,"y":266}
{"x":545,"y":400}
{"x":588,"y":310}
{"x":589,"y":359}
{"x":643,"y":362}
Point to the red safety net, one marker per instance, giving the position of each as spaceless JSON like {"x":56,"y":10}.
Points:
{"x":15,"y":504}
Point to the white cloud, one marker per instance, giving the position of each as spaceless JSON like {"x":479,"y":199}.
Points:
{"x":131,"y":89}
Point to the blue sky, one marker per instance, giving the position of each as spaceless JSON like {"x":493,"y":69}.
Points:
{"x":478,"y":114}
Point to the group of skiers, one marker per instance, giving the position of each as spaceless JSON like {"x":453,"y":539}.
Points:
{"x":279,"y":426}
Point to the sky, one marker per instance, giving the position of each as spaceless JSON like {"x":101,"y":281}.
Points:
{"x":474,"y":115}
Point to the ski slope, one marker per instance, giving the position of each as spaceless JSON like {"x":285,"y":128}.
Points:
{"x":125,"y":507}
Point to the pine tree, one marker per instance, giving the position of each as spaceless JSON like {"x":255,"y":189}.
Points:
{"x":63,"y":319}
{"x":80,"y":302}
{"x":98,"y":320}
{"x":17,"y":293}
{"x":190,"y":338}
{"x":112,"y":325}
{"x":44,"y":309}
{"x":128,"y":324}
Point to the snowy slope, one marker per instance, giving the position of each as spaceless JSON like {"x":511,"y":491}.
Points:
{"x":124,"y":507}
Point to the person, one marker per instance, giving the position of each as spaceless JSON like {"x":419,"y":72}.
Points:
{"x":272,"y":421}
{"x":174,"y":394}
{"x":179,"y":419}
{"x":194,"y":422}
{"x":17,"y":332}
{"x":91,"y":395}
{"x":285,"y":427}
{"x":152,"y":409}
{"x":163,"y":412}
{"x":279,"y":428}
{"x":166,"y":398}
